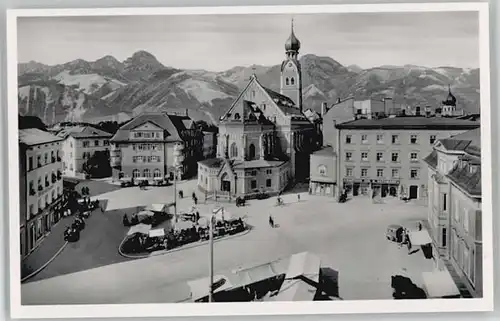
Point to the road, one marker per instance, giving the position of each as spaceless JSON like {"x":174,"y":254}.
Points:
{"x":349,"y":238}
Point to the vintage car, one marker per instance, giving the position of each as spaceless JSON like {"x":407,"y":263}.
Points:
{"x":240,"y":201}
{"x":394,"y":233}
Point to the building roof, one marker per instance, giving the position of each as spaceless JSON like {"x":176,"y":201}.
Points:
{"x":325,"y":151}
{"x":467,"y":179}
{"x":431,"y":159}
{"x":35,"y":136}
{"x":237,"y":164}
{"x":408,"y":123}
{"x":83,"y":132}
{"x":212,"y":162}
{"x":469,"y":142}
{"x":173,"y":125}
{"x":284,"y":103}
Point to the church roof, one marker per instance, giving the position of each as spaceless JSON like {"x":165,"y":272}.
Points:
{"x":451,"y":100}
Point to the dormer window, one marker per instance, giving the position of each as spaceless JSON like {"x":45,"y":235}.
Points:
{"x":473,"y":169}
{"x":237,"y":116}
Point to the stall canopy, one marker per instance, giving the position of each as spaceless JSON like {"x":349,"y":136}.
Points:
{"x":145,"y":213}
{"x":439,"y":284}
{"x":301,"y":278}
{"x":420,"y":237}
{"x":139,"y":228}
{"x":157,"y":232}
{"x":183,"y":225}
{"x":160,"y":207}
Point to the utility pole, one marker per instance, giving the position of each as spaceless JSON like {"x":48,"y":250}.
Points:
{"x":211,"y":258}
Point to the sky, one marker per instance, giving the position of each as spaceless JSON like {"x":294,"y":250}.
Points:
{"x":221,"y":42}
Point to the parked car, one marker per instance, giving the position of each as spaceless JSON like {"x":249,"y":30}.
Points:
{"x":240,"y":201}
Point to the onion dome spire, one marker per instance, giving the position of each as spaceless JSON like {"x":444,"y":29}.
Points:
{"x":292,"y":43}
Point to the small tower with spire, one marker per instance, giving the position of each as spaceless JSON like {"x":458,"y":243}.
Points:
{"x":449,"y":106}
{"x":291,"y":77}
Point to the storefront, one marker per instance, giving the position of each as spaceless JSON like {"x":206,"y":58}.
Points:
{"x":365,"y":187}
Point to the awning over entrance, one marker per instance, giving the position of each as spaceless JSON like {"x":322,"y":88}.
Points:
{"x":420,"y":237}
{"x":439,"y":284}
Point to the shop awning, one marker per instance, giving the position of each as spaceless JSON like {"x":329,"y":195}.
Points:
{"x":200,"y":288}
{"x":420,"y":237}
{"x":306,"y":264}
{"x":145,"y":213}
{"x":157,"y":232}
{"x":439,"y":284}
{"x":139,"y":228}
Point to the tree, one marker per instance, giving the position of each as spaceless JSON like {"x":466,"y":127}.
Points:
{"x":98,"y":165}
{"x":26,"y":122}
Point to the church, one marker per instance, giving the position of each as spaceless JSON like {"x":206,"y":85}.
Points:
{"x":264,"y":139}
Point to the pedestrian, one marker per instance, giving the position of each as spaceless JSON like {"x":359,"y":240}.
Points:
{"x":298,"y":197}
{"x":419,"y":226}
{"x":271,"y":221}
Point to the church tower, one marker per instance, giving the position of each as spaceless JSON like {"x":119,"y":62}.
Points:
{"x":291,"y":77}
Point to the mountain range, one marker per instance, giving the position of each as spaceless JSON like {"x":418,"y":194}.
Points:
{"x":83,"y":90}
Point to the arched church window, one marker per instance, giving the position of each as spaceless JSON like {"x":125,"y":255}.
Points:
{"x":287,"y":81}
{"x":234,"y":150}
{"x":292,"y":81}
{"x":251,"y":152}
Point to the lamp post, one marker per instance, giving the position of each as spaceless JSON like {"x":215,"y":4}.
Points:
{"x":178,"y":159}
{"x":211,"y":258}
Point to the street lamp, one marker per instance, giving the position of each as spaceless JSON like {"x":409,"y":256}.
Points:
{"x":211,"y":252}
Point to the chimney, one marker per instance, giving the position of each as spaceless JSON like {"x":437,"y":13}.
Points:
{"x":324,"y":108}
{"x":427,"y":111}
{"x":187,"y":113}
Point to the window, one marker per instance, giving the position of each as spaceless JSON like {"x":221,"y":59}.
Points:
{"x":86,"y":143}
{"x":287,"y":81}
{"x":380,"y":139}
{"x":466,"y":220}
{"x":364,"y":172}
{"x":39,"y":160}
{"x":47,"y":202}
{"x":413,"y":139}
{"x":40,"y":205}
{"x":414,"y":157}
{"x":348,"y":172}
{"x":96,"y":142}
{"x":32,"y":188}
{"x":443,"y":237}
{"x":269,"y":171}
{"x":395,"y":157}
{"x":348,"y":139}
{"x":54,"y":195}
{"x":395,"y":173}
{"x":348,"y":156}
{"x":106,"y":142}
{"x":147,"y":173}
{"x":414,"y":173}
{"x":380,"y":157}
{"x":253,"y":184}
{"x":136,"y":173}
{"x":364,"y":139}
{"x":30,"y":163}
{"x":292,"y":81}
{"x":395,"y":139}
{"x":432,"y":139}
{"x":268,"y":182}
{"x":364,"y":156}
{"x":32,"y":210}
{"x":380,"y":172}
{"x":445,"y":204}
{"x":234,"y":150}
{"x":157,"y":173}
{"x":251,"y":152}
{"x":253,"y":173}
{"x":466,"y":260}
{"x":46,"y":158}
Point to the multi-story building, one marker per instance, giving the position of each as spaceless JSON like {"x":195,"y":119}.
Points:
{"x":41,"y":186}
{"x":454,"y":205}
{"x":80,"y":143}
{"x":143,"y":148}
{"x":264,"y":138}
{"x":384,"y":156}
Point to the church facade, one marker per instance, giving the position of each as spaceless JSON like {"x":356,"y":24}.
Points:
{"x":264,"y":139}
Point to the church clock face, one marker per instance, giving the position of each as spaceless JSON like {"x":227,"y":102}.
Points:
{"x":322,"y":170}
{"x":289,"y":64}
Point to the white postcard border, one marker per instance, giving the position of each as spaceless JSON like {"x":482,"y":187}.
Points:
{"x":264,"y":308}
